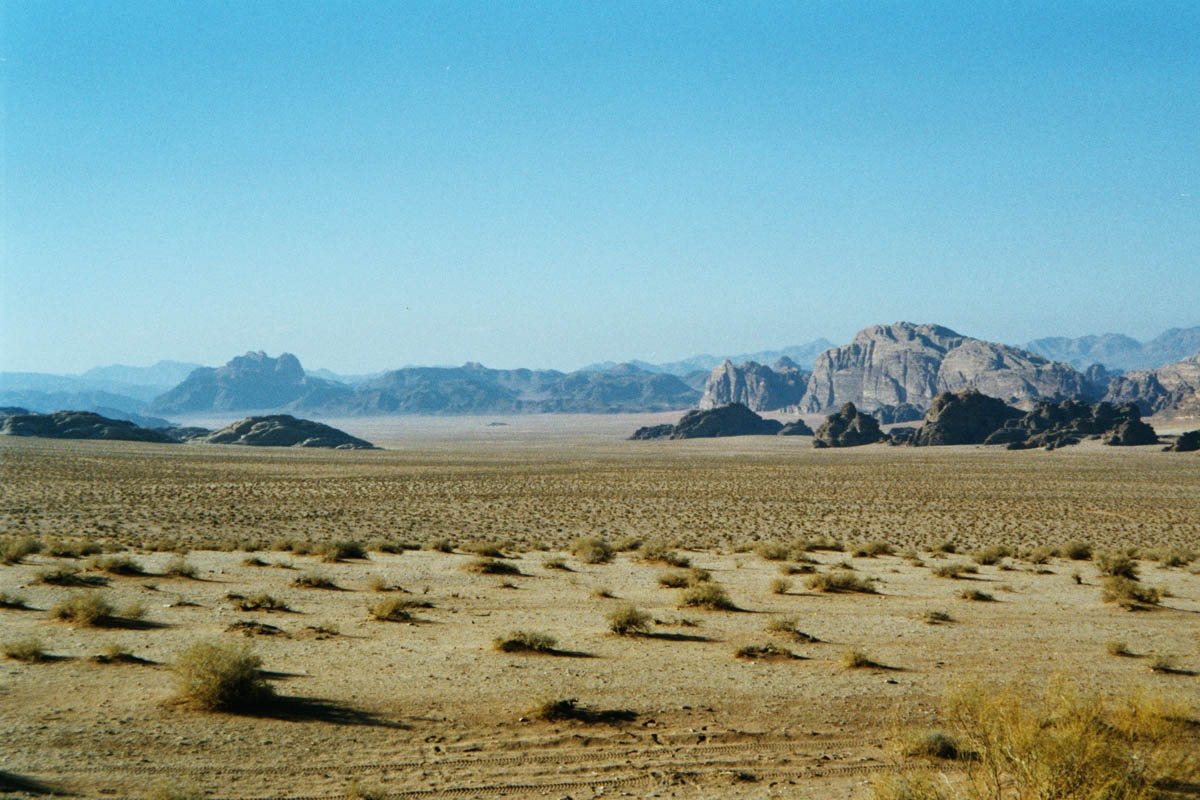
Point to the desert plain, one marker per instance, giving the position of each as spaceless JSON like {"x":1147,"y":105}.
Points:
{"x":427,"y":705}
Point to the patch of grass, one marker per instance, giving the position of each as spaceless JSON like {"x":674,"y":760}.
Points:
{"x":14,"y":550}
{"x":340,"y":550}
{"x":1117,"y":647}
{"x":628,"y":619}
{"x":391,"y":609}
{"x":525,"y":642}
{"x":992,"y":555}
{"x":840,"y":581}
{"x":789,"y":627}
{"x":260,"y":601}
{"x":936,"y":617}
{"x":707,"y":595}
{"x":178,"y":567}
{"x":592,"y":550}
{"x":484,"y":549}
{"x":763,"y":651}
{"x":29,"y":649}
{"x":223,"y":676}
{"x":83,"y":608}
{"x":1076,"y":551}
{"x":855,"y":658}
{"x":116,"y":565}
{"x":1129,"y":594}
{"x":976,"y":594}
{"x":314,"y":579}
{"x":491,"y":566}
{"x":780,"y":586}
{"x":556,"y":563}
{"x":772,"y":551}
{"x":1117,"y":565}
{"x":953,"y":570}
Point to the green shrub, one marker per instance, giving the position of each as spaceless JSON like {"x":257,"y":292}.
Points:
{"x":628,"y":619}
{"x":223,"y":676}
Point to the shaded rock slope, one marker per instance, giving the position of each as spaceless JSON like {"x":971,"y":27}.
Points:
{"x":848,"y":427}
{"x":966,"y":417}
{"x":756,"y":386}
{"x":1173,"y":389}
{"x":79,"y":425}
{"x":730,"y":420}
{"x":283,"y":430}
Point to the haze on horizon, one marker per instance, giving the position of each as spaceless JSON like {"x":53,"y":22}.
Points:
{"x":369,"y":185}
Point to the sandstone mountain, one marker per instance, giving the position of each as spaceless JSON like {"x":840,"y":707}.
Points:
{"x":848,"y":427}
{"x":1119,"y":352}
{"x":729,"y":420}
{"x":251,"y":382}
{"x":1173,"y":389}
{"x":78,"y":425}
{"x":756,"y":386}
{"x":1052,"y":425}
{"x":704,"y":364}
{"x":908,"y":363}
{"x":966,"y":417}
{"x":282,"y":430}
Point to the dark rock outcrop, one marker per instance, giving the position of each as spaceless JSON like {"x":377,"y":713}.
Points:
{"x":796,"y":427}
{"x":1068,"y":422}
{"x":730,"y":420}
{"x":965,"y":417}
{"x":754,"y":385}
{"x":905,"y":412}
{"x":1185,"y":443}
{"x":1173,"y":389}
{"x":79,"y":425}
{"x":184,"y":433}
{"x":908,"y":363}
{"x":283,"y":430}
{"x":849,"y":427}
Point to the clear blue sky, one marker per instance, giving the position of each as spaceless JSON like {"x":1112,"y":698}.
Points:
{"x":548,"y":184}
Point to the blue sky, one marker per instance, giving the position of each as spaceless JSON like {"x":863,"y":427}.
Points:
{"x":549,"y":184}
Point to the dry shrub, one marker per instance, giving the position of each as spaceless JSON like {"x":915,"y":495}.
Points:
{"x":592,"y":550}
{"x":178,"y":567}
{"x":260,"y":601}
{"x":673,"y":579}
{"x":1076,"y":551}
{"x":658,"y":551}
{"x":877,"y":547}
{"x":707,"y":595}
{"x":223,"y":676}
{"x":13,"y":600}
{"x":1068,"y":742}
{"x":780,"y":586}
{"x":840,"y":581}
{"x":441,"y":546}
{"x":116,"y":565}
{"x":788,"y":626}
{"x":1129,"y":594}
{"x":1117,"y":565}
{"x":253,"y":561}
{"x":909,"y":787}
{"x":29,"y":649}
{"x":763,"y":651}
{"x":340,"y":550}
{"x":796,"y":569}
{"x":491,"y":566}
{"x":1177,"y":557}
{"x":992,"y":555}
{"x":936,"y":617}
{"x":83,"y":608}
{"x":14,"y":549}
{"x":1040,"y":554}
{"x":525,"y":642}
{"x":854,"y":658}
{"x":628,"y":619}
{"x":484,"y":549}
{"x":391,"y":609}
{"x":772,"y":551}
{"x":953,"y":570}
{"x":314,"y":579}
{"x":934,"y":744}
{"x":976,"y":595}
{"x":1117,"y":647}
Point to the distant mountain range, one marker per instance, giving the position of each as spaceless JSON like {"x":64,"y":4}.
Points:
{"x":885,"y":368}
{"x":1118,"y":352}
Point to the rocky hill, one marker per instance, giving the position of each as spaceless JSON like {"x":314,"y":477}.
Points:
{"x":1119,"y":352}
{"x":1173,"y":389}
{"x":251,"y":382}
{"x":730,"y":420}
{"x":888,"y":365}
{"x":848,"y":427}
{"x":756,"y":386}
{"x":78,"y":425}
{"x":966,"y":417}
{"x":282,"y":430}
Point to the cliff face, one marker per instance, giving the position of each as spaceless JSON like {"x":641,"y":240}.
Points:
{"x":754,"y":385}
{"x":1173,"y":389}
{"x":888,"y":365}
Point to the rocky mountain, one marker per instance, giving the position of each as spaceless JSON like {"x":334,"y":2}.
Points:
{"x":254,"y":381}
{"x":965,"y":417}
{"x":800,"y":354}
{"x":282,"y":430}
{"x":1052,"y":425}
{"x":95,"y":400}
{"x":848,"y":427}
{"x":78,"y":425}
{"x":730,"y":420}
{"x":1118,"y":352}
{"x":159,"y":377}
{"x":758,"y":387}
{"x":1173,"y":389}
{"x":909,"y":363}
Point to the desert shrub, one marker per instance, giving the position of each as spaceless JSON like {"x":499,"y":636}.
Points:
{"x":176,"y":791}
{"x":908,"y":787}
{"x":1162,"y":662}
{"x":83,"y":608}
{"x":253,"y":561}
{"x":628,"y":619}
{"x":260,"y":601}
{"x":933,"y":744}
{"x":944,"y":546}
{"x":314,"y":579}
{"x":555,"y":710}
{"x":976,"y":594}
{"x":491,"y":566}
{"x":953,"y":570}
{"x":1117,"y":564}
{"x":180,"y":568}
{"x":876,"y":547}
{"x":841,"y":581}
{"x":772,"y":551}
{"x":384,"y":546}
{"x":1076,"y":551}
{"x":796,"y":569}
{"x":673,"y":579}
{"x":340,"y":550}
{"x":707,"y":595}
{"x":788,"y":626}
{"x":60,"y":548}
{"x":825,"y":543}
{"x":223,"y":676}
{"x":89,"y":548}
{"x":14,"y":549}
{"x":854,"y":657}
{"x":592,"y":550}
{"x":780,"y":586}
{"x":1117,"y":647}
{"x":484,"y":549}
{"x":1177,"y":557}
{"x":377,"y":583}
{"x":441,"y":546}
{"x":116,"y":565}
{"x":1040,"y":554}
{"x":658,"y":551}
{"x":602,"y":593}
{"x":992,"y":555}
{"x":67,"y":576}
{"x":391,"y":609}
{"x":1128,"y":593}
{"x":12,"y":600}
{"x":935,"y":617}
{"x":768,"y":650}
{"x":525,"y":642}
{"x":555,"y":563}
{"x":29,"y":649}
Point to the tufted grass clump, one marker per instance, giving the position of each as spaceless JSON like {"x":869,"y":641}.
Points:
{"x":484,"y":549}
{"x":935,"y":616}
{"x":654,"y":550}
{"x":116,"y":565}
{"x":340,"y":550}
{"x":29,"y":649}
{"x":83,"y":608}
{"x":788,"y":626}
{"x":954,"y":569}
{"x":1040,"y":554}
{"x":179,"y":567}
{"x":840,"y":581}
{"x":1076,"y":551}
{"x":525,"y":642}
{"x":391,"y":609}
{"x":780,"y":586}
{"x":763,"y":651}
{"x":627,"y":620}
{"x":314,"y":579}
{"x":772,"y":551}
{"x":592,"y":550}
{"x":707,"y":595}
{"x":14,"y":550}
{"x":876,"y":547}
{"x":992,"y":555}
{"x":1116,"y":564}
{"x":856,"y":658}
{"x":223,"y":676}
{"x":491,"y":566}
{"x":1117,"y":647}
{"x":976,"y":595}
{"x":13,"y":600}
{"x":1176,"y":557}
{"x":259,"y":601}
{"x":1129,"y":594}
